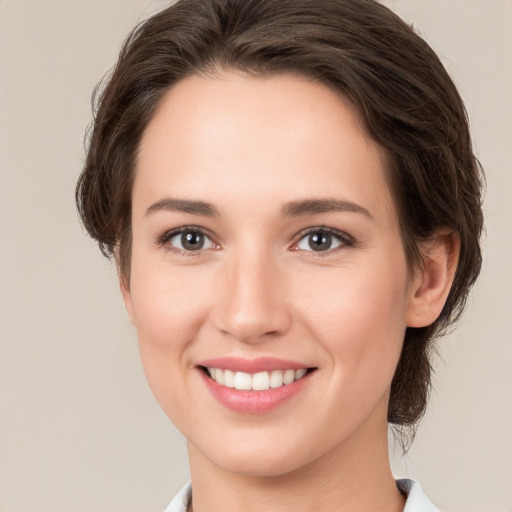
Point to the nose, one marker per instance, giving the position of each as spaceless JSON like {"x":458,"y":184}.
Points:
{"x":252,"y":306}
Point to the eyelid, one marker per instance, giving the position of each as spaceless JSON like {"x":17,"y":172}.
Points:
{"x":163,"y":239}
{"x":345,"y":239}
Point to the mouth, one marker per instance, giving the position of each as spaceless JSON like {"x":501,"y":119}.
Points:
{"x":254,"y":385}
{"x":259,"y":381}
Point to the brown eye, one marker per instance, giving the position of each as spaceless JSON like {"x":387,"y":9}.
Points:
{"x":190,"y":240}
{"x":322,"y":240}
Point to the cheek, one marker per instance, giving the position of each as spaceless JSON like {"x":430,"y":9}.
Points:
{"x":358,"y":317}
{"x":169,"y":309}
{"x":167,"y":302}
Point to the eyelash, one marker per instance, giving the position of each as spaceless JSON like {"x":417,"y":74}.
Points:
{"x":342,"y":237}
{"x":164,"y":239}
{"x":345,"y":239}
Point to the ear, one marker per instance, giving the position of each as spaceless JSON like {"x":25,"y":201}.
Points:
{"x":432,"y":282}
{"x":127,"y":297}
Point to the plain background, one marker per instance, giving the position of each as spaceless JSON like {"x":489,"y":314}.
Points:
{"x":79,"y":429}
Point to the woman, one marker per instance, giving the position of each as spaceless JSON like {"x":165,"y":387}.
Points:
{"x":290,"y":193}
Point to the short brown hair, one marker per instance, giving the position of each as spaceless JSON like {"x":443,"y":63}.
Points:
{"x":404,"y":96}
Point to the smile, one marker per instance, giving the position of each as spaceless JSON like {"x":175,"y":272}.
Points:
{"x":254,"y":385}
{"x":260,"y":381}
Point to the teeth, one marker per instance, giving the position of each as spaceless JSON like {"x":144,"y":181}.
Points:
{"x":300,"y":373}
{"x":288,"y":377}
{"x":229,"y":378}
{"x":260,"y":381}
{"x":276,"y":379}
{"x":242,"y":380}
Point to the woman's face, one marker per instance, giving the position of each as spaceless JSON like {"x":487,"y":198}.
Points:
{"x":264,"y":240}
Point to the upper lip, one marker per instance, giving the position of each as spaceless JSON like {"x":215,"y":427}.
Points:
{"x":259,"y":364}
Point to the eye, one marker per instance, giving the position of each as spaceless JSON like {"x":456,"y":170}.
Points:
{"x":322,"y":240}
{"x":187,"y":240}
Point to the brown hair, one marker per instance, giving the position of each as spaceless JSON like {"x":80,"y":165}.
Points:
{"x":404,"y":96}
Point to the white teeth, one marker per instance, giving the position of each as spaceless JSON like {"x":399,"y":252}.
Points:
{"x":260,"y":381}
{"x":288,"y":377}
{"x":276,"y":379}
{"x":229,"y":378}
{"x":300,"y":373}
{"x":242,"y":381}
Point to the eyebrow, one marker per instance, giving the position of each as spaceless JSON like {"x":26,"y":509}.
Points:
{"x":290,"y":209}
{"x":313,"y":206}
{"x":184,"y":206}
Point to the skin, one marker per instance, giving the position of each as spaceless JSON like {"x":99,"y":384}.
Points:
{"x":248,"y":146}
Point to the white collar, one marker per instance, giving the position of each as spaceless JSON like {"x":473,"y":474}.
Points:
{"x":417,"y":501}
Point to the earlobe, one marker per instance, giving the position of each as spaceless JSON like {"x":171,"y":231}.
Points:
{"x":432,"y":282}
{"x":127,"y":297}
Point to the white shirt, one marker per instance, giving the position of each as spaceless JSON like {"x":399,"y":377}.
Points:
{"x":416,"y":498}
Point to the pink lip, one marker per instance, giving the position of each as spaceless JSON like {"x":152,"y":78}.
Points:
{"x":260,"y":364}
{"x":254,"y":402}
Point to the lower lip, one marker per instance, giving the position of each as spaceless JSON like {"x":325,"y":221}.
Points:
{"x":254,"y":402}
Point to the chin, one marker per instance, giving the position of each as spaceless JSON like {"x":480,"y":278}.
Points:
{"x":259,"y":466}
{"x":261,"y":460}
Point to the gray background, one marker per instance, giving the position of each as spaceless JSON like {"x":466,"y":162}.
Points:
{"x":79,"y":429}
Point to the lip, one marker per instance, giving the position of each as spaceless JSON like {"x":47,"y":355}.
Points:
{"x":259,"y":364}
{"x":254,"y":402}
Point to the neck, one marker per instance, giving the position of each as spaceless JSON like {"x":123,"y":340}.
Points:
{"x":354,"y":476}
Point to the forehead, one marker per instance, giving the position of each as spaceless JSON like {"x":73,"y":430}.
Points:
{"x":258,"y":135}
